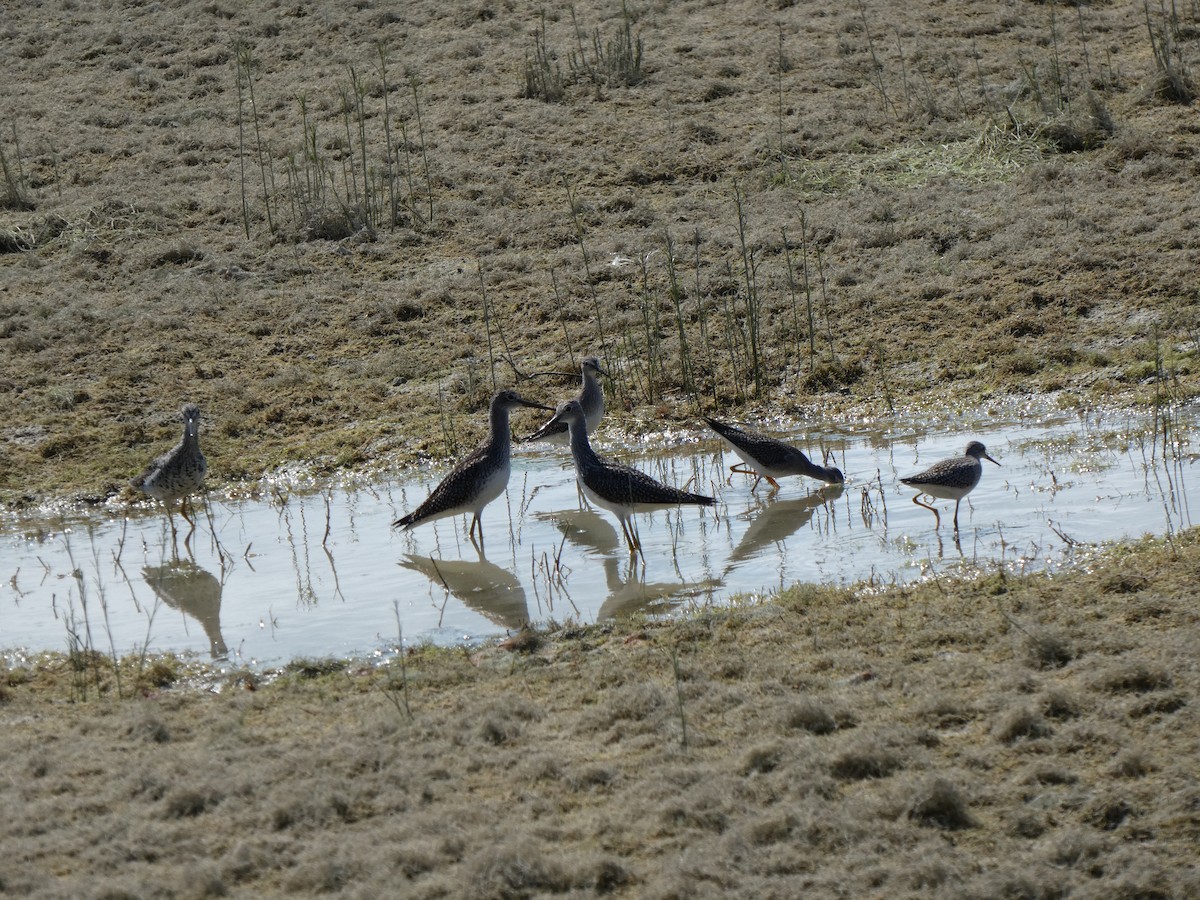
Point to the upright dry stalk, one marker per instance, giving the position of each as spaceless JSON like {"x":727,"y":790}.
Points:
{"x":449,"y":435}
{"x":732,"y":330}
{"x":239,"y":57}
{"x":791,"y":281}
{"x":499,"y":327}
{"x":808,"y":298}
{"x":675,"y":289}
{"x":415,"y":85}
{"x":825,"y":301}
{"x":358,"y":92}
{"x":558,"y":308}
{"x":14,"y":195}
{"x":749,"y":278}
{"x":876,"y":65}
{"x":393,"y":201}
{"x":349,"y":177}
{"x":651,"y":328}
{"x":577,"y":221}
{"x":401,"y":703}
{"x":487,"y":324}
{"x":260,"y":153}
{"x":701,"y":315}
{"x":683,"y":735}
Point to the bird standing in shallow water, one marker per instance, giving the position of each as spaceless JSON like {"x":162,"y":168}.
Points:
{"x":591,"y":400}
{"x":480,"y":477}
{"x":618,"y":488}
{"x":178,"y":472}
{"x":950,"y":479}
{"x":770,"y":459}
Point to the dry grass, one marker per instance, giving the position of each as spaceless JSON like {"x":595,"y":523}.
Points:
{"x":1031,"y":164}
{"x":839,"y":744}
{"x":889,"y":166}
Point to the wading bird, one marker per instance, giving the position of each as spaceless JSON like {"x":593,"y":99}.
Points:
{"x":590,"y":398}
{"x":618,"y":488}
{"x":480,"y":477}
{"x":179,"y":472}
{"x":768,"y":458}
{"x":950,"y":479}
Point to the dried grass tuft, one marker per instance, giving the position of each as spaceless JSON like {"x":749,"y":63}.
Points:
{"x":516,"y":869}
{"x":865,"y":761}
{"x":763,"y":758}
{"x":811,"y":716}
{"x":1132,"y":676}
{"x":939,"y":803}
{"x":1049,"y":648}
{"x":1020,"y":724}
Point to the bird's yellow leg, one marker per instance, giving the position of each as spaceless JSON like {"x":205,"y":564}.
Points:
{"x":475,"y":523}
{"x":933,"y":509}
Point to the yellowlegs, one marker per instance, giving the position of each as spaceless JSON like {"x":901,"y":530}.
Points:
{"x":479,"y":478}
{"x":768,"y":458}
{"x":178,"y":472}
{"x":590,"y":397}
{"x":618,"y":488}
{"x":950,"y":479}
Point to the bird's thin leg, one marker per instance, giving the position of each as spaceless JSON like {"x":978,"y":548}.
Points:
{"x":628,"y":539}
{"x":933,"y":509}
{"x":471,"y":534}
{"x":631,"y":538}
{"x":956,"y":502}
{"x":774,"y":484}
{"x":741,"y":469}
{"x":183,"y":511}
{"x":174,"y":533}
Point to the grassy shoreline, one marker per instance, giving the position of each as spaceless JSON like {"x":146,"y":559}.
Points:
{"x":1005,"y":736}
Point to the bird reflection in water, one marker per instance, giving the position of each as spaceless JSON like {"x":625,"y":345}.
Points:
{"x":628,"y":590}
{"x":493,"y":592}
{"x":774,"y":521}
{"x":195,"y":592}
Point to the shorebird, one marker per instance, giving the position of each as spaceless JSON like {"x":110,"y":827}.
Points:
{"x":591,"y":399}
{"x":178,"y":472}
{"x":950,"y":479}
{"x":480,"y":477}
{"x":618,"y":488}
{"x":768,"y":458}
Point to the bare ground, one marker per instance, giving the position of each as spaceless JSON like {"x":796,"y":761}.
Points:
{"x":182,"y":231}
{"x":975,"y":200}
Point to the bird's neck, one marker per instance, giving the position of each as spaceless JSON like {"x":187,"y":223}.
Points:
{"x":501,"y":434}
{"x":591,"y":387}
{"x":581,"y":449}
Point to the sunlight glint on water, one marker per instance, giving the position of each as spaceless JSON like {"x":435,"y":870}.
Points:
{"x":321,"y":572}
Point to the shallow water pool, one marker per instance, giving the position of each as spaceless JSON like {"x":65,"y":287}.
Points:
{"x":318,"y":571}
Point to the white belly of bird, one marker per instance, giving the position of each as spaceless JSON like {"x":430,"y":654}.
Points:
{"x":490,"y":489}
{"x":622,"y":509}
{"x":949,"y":492}
{"x":750,"y":461}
